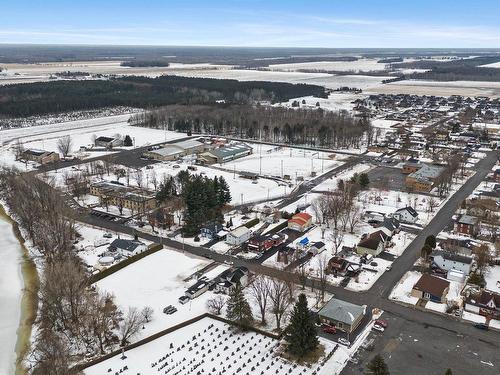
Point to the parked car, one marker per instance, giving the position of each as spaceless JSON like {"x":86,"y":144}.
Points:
{"x":388,"y":268}
{"x":344,"y":341}
{"x":107,"y":235}
{"x":183,"y":300}
{"x":331,"y":330}
{"x":374,"y":264}
{"x":382,"y":323}
{"x":481,"y":326}
{"x":169,"y":310}
{"x":376,"y":327}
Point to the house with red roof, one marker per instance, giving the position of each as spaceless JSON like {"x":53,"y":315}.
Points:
{"x":300,"y":222}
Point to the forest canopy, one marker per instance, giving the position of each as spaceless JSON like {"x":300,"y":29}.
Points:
{"x":314,"y":127}
{"x":41,"y":98}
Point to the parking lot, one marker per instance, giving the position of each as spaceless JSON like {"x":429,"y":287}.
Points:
{"x":411,"y":348}
{"x":383,"y":177}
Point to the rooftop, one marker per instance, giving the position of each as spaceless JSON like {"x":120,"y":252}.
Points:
{"x":342,"y":311}
{"x":431,"y":284}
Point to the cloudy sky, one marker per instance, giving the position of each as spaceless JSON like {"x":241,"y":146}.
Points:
{"x":269,"y":23}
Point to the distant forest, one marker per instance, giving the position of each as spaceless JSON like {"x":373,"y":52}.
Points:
{"x":41,"y":98}
{"x":453,"y":70}
{"x":145,"y":63}
{"x":314,"y":127}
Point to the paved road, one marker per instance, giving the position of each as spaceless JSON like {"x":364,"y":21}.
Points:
{"x":377,"y":295}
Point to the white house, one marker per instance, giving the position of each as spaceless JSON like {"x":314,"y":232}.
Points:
{"x":450,"y":261}
{"x":127,"y":248}
{"x":406,"y":215}
{"x":238,"y":236}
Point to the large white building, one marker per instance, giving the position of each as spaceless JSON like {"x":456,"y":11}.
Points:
{"x":238,"y":236}
{"x":449,"y":261}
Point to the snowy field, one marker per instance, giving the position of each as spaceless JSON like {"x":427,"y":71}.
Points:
{"x":11,"y":285}
{"x":158,"y":281}
{"x":211,"y":347}
{"x":279,"y":161}
{"x":414,"y":87}
{"x":345,"y":66}
{"x":332,"y":183}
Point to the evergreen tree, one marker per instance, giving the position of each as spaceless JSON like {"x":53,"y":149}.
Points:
{"x":238,"y":308}
{"x":448,"y":372}
{"x":377,"y":366}
{"x":364,"y":181}
{"x":431,"y":241}
{"x":301,"y":333}
{"x":426,"y":251}
{"x":127,"y":141}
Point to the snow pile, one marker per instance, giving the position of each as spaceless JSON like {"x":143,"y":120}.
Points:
{"x":402,"y":291}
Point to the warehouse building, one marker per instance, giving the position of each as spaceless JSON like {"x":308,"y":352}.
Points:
{"x":226,"y":153}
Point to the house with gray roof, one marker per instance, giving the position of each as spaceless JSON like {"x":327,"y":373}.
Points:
{"x":424,"y":178}
{"x":448,"y":261}
{"x":467,"y":224}
{"x":126,"y":247}
{"x":342,"y":314}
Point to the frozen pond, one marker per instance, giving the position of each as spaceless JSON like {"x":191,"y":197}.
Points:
{"x":11,"y":284}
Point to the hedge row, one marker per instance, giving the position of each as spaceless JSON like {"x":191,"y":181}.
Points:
{"x":124,"y":263}
{"x":252,"y":223}
{"x":278,"y":227}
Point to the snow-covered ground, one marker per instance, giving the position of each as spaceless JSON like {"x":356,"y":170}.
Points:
{"x":402,"y":291}
{"x":278,"y":161}
{"x":212,"y":347}
{"x":345,"y":66}
{"x":475,"y":318}
{"x":158,"y":281}
{"x":332,"y":183}
{"x":492,"y":278}
{"x":11,"y":285}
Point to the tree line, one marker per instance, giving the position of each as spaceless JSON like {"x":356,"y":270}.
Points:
{"x":41,"y":98}
{"x":313,"y":127}
{"x":74,"y":320}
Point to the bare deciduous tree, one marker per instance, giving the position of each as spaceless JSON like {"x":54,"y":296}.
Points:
{"x":279,"y":295}
{"x":216,"y":304}
{"x":147,"y":313}
{"x":130,"y":326}
{"x":64,"y":145}
{"x":259,"y":290}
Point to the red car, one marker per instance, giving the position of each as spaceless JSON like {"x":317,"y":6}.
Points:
{"x":381,"y":323}
{"x":329,"y":330}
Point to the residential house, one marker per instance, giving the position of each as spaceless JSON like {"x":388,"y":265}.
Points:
{"x":391,"y":224}
{"x":450,"y":261}
{"x":211,"y":230}
{"x":337,"y":266}
{"x":431,"y":288}
{"x":41,"y":157}
{"x":406,"y":215}
{"x":303,"y":244}
{"x":108,"y":142}
{"x":459,"y":246}
{"x":343,"y":315}
{"x":373,"y":243}
{"x":127,"y":248}
{"x":300,"y":222}
{"x":197,"y":289}
{"x":261,"y":243}
{"x":467,"y":224}
{"x":484,"y":303}
{"x":316,"y":248}
{"x":230,"y":277}
{"x":238,"y":236}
